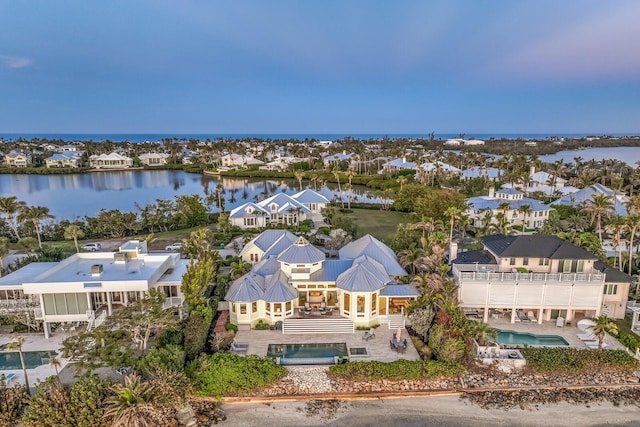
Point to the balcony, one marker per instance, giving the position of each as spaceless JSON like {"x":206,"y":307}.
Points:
{"x":172,"y":302}
{"x":490,"y":273}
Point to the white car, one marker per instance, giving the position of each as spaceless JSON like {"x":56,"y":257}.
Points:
{"x":173,"y":247}
{"x":92,"y":247}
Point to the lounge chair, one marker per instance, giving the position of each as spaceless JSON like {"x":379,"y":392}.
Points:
{"x":587,"y":337}
{"x":238,"y":344}
{"x":531,"y":317}
{"x":9,"y":377}
{"x":238,"y":350}
{"x":523,"y":317}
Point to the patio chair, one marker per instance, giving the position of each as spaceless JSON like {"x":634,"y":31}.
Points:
{"x":327,"y":312}
{"x":9,"y":377}
{"x":238,"y":350}
{"x":392,"y":346}
{"x":238,"y":344}
{"x":371,"y":333}
{"x":531,"y":317}
{"x":323,"y":306}
{"x":307,"y":307}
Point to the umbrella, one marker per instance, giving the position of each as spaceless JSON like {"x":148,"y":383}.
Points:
{"x":585,"y":324}
{"x":398,"y":334}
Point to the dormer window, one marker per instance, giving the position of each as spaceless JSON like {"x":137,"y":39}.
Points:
{"x":273,"y":207}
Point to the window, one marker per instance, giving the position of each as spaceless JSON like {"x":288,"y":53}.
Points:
{"x":580,"y":266}
{"x":243,"y":308}
{"x":374,"y":300}
{"x":610,"y":289}
{"x":360,"y":303}
{"x":347,"y":303}
{"x":512,"y":261}
{"x":525,"y":261}
{"x":543,"y":261}
{"x":254,"y":307}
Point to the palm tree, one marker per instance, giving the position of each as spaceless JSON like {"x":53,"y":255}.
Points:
{"x":239,"y":268}
{"x":336,"y":174}
{"x":633,"y":224}
{"x":602,"y":326}
{"x":16,"y":344}
{"x":4,"y":251}
{"x":410,"y":258}
{"x":481,"y":331}
{"x":299,"y":175}
{"x":35,"y":214}
{"x":74,"y":232}
{"x":616,"y":227}
{"x":402,"y":180}
{"x":132,"y":405}
{"x":453,"y":213}
{"x":599,"y":206}
{"x":10,"y":207}
{"x":526,"y":211}
{"x":55,"y":364}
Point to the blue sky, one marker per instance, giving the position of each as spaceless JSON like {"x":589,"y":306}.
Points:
{"x":320,"y":66}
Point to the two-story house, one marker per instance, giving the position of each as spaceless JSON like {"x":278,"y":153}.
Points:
{"x":537,"y":277}
{"x":361,"y":286}
{"x":154,"y":159}
{"x":63,"y":160}
{"x":17,"y":159}
{"x":110,"y":161}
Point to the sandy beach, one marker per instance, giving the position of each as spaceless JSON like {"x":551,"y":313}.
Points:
{"x":426,"y":411}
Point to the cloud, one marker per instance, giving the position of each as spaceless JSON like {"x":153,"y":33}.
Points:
{"x":606,"y":46}
{"x":15,"y":61}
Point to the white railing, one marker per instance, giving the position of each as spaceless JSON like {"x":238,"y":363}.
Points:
{"x":172,"y":302}
{"x":493,"y":276}
{"x":100,"y":319}
{"x":91,"y":318}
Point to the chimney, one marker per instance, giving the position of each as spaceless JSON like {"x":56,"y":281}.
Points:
{"x":96,"y":270}
{"x":120,"y":257}
{"x":453,"y":251}
{"x":532,"y":170}
{"x":492,"y":192}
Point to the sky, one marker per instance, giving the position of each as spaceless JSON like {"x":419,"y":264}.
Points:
{"x":331,"y":66}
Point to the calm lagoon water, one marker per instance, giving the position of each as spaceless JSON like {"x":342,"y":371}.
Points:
{"x":629,"y":155}
{"x":77,"y":195}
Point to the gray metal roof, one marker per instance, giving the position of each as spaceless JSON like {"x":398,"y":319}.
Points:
{"x":360,"y":278}
{"x":373,"y":266}
{"x":268,"y":238}
{"x":534,"y":246}
{"x":278,"y":290}
{"x":284,"y":202}
{"x":310,"y":196}
{"x":301,"y":252}
{"x":585,"y":195}
{"x":374,"y":248}
{"x":241,"y":211}
{"x":395,"y":290}
{"x":247,"y":288}
{"x":267,"y":266}
{"x":486,"y":202}
{"x":331,"y":269}
{"x":480,"y":172}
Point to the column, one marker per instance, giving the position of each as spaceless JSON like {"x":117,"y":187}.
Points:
{"x":513,"y":315}
{"x":485,"y":317}
{"x":540,"y":313}
{"x":109,"y":307}
{"x":126,"y":299}
{"x":47,"y":330}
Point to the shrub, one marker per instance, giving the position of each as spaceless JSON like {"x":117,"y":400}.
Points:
{"x":628,"y":339}
{"x":397,"y":370}
{"x":169,"y":358}
{"x":230,"y":326}
{"x":80,"y":406}
{"x":262,"y":326}
{"x":196,"y":331}
{"x":224,"y":373}
{"x":13,"y":401}
{"x":571,"y":359}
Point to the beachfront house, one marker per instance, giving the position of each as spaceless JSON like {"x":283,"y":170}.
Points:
{"x":507,"y":202}
{"x":154,"y":159}
{"x":110,"y":161}
{"x":359,"y":289}
{"x":63,"y":160}
{"x":85,"y":288}
{"x":17,"y":159}
{"x":537,"y":278}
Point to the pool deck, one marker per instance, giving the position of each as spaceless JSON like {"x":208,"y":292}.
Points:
{"x":378,"y":347}
{"x":36,"y":342}
{"x":569,"y":333}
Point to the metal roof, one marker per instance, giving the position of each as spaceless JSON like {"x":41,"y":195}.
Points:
{"x":301,"y":252}
{"x":241,"y":211}
{"x":268,"y":238}
{"x":486,"y":202}
{"x":374,"y":248}
{"x":360,"y":278}
{"x":395,"y":290}
{"x":310,"y":196}
{"x":278,"y":290}
{"x":331,"y":269}
{"x":247,"y":288}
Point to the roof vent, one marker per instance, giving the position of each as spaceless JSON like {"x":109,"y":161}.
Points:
{"x":96,"y":269}
{"x":120,"y":257}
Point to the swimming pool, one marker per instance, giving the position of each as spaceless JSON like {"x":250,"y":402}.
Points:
{"x":32,"y":359}
{"x":513,"y":338}
{"x":313,"y":353}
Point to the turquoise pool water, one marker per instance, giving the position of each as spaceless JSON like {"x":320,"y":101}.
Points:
{"x":32,"y":359}
{"x":524,"y":338}
{"x":307,"y":350}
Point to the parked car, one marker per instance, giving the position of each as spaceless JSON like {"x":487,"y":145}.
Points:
{"x":92,"y":247}
{"x":173,"y":247}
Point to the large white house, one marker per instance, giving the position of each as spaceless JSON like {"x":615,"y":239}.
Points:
{"x":86,"y":287}
{"x":538,"y":277}
{"x":63,"y":160}
{"x":154,"y":159}
{"x":361,"y":286}
{"x":278,"y":209}
{"x":110,"y":161}
{"x":507,"y":201}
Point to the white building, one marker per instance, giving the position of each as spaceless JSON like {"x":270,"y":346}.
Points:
{"x":86,"y":287}
{"x":110,"y":161}
{"x":154,"y":159}
{"x":537,"y":278}
{"x":63,"y":160}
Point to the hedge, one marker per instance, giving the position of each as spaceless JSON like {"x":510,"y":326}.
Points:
{"x":571,"y":359}
{"x":397,"y":370}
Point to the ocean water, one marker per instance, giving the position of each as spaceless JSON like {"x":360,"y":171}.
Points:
{"x":153,"y":137}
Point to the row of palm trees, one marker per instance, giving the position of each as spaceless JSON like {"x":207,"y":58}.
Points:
{"x":16,"y":211}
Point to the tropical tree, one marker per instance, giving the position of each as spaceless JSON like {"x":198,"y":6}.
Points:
{"x":195,"y":281}
{"x":632,"y":222}
{"x":299,"y":176}
{"x":16,"y":344}
{"x":239,"y":268}
{"x":132,"y":405}
{"x":453,"y":213}
{"x":4,"y":251}
{"x":74,"y":232}
{"x":336,"y":175}
{"x":10,"y":207}
{"x":482,"y":331}
{"x":54,"y":362}
{"x":617,"y":227}
{"x":602,"y":326}
{"x":34,"y":214}
{"x":410,"y":257}
{"x":525,"y":210}
{"x":600,"y":205}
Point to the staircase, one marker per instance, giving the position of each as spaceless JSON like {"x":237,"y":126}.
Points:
{"x":323,"y":325}
{"x":396,"y":321}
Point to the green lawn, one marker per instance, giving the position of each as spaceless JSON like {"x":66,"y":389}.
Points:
{"x":380,"y":224}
